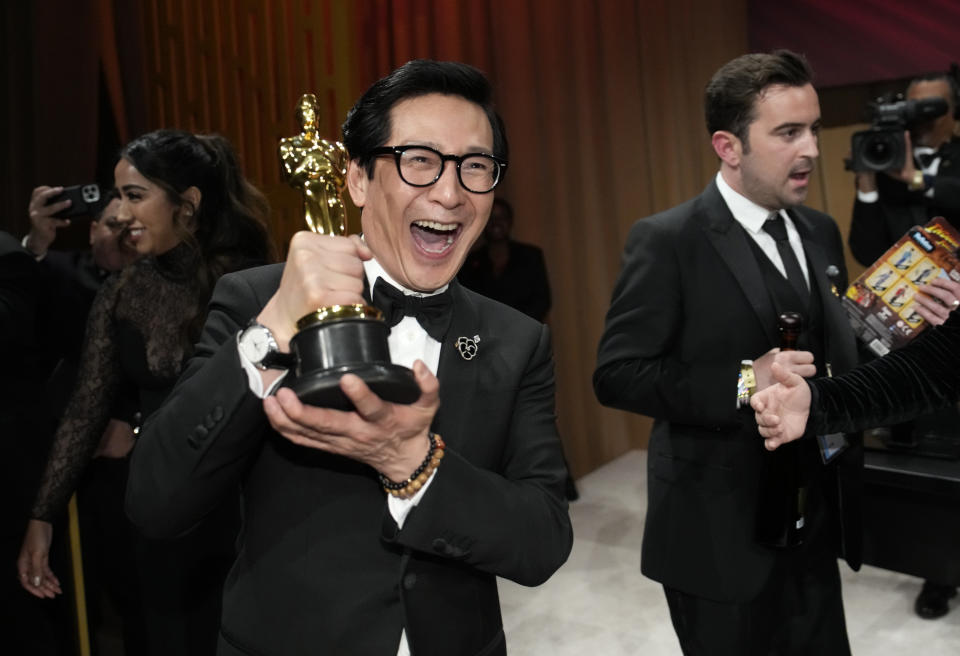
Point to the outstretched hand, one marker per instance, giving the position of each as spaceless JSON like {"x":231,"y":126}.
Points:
{"x":392,"y":438}
{"x":782,"y":409}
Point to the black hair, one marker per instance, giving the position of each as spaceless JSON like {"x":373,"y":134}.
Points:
{"x":227,"y":231}
{"x":367,"y":125}
{"x":731,"y":95}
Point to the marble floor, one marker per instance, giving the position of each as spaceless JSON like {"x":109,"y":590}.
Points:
{"x":598,"y":603}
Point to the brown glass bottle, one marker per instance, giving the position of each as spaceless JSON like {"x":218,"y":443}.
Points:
{"x":781,"y":505}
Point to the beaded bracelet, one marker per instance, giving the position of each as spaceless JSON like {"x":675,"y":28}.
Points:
{"x":408,"y":488}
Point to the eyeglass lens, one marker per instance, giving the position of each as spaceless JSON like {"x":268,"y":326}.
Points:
{"x":422,"y":166}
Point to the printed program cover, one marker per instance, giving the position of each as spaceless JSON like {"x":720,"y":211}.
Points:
{"x":880,"y":302}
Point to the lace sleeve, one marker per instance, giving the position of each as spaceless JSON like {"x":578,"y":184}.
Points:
{"x":88,"y":410}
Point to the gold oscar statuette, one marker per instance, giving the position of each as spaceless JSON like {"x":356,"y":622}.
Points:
{"x":339,"y":339}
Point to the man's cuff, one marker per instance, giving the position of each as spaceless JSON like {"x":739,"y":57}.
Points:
{"x":868,"y":196}
{"x":254,"y":377}
{"x":400,"y":508}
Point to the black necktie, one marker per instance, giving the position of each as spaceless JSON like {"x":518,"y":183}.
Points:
{"x":431,"y":312}
{"x":775,"y":227}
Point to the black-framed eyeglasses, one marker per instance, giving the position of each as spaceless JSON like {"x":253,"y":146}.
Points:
{"x":421,"y":166}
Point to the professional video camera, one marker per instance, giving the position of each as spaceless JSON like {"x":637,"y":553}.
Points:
{"x":882,"y":147}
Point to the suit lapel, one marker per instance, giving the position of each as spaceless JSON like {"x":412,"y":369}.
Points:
{"x":457,"y":375}
{"x":730,"y":242}
{"x":841,"y":348}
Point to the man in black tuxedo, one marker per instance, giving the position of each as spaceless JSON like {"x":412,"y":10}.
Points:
{"x":329,"y":562}
{"x":886,"y":207}
{"x":889,"y":204}
{"x":692,"y":331}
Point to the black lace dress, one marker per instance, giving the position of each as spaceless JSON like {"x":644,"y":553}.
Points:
{"x":134,"y":338}
{"x":137,"y":338}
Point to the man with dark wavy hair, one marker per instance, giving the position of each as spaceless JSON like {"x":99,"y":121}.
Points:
{"x":692,"y":331}
{"x":379,"y":530}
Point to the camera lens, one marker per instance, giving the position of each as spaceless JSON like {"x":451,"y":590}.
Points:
{"x":879,"y":152}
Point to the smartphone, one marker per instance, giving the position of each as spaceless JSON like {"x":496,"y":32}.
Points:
{"x":86,"y":200}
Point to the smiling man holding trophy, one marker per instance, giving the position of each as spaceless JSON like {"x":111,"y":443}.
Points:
{"x":379,"y":528}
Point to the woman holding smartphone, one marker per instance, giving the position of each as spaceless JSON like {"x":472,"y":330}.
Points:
{"x":187,"y":209}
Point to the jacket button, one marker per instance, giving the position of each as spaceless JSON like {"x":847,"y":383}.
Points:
{"x":200,"y":433}
{"x":217,"y":413}
{"x":440,"y":545}
{"x":409,"y":581}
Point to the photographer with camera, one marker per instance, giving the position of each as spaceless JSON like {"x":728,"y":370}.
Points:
{"x":908,"y":190}
{"x":897,"y":190}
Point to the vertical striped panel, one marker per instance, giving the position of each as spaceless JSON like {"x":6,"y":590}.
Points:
{"x":239,"y":67}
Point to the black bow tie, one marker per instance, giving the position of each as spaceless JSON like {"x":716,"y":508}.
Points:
{"x":925,"y":159}
{"x":431,"y":312}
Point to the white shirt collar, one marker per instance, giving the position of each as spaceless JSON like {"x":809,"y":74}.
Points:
{"x":747,"y":213}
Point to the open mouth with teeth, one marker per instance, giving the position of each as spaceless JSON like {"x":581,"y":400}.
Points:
{"x":433,"y":237}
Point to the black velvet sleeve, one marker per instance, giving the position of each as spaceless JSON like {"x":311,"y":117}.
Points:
{"x":914,"y":380}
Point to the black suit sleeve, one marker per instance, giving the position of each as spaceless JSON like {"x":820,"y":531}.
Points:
{"x":511,"y":521}
{"x":640,"y":363}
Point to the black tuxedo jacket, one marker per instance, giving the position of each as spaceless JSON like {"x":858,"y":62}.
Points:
{"x":690,"y":304}
{"x":322,"y":567}
{"x":876,"y":226}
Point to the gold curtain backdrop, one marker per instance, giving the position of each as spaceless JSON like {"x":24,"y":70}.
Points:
{"x":602,"y":101}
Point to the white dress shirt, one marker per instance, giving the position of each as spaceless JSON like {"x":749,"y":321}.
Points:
{"x":752,"y":217}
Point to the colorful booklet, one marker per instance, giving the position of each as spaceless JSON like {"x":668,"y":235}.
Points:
{"x":880,"y":302}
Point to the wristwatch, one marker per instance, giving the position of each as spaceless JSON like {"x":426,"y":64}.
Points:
{"x":257,"y":344}
{"x":746,"y":384}
{"x":918,"y":182}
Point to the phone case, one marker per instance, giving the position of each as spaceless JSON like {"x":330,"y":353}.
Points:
{"x":86,"y":200}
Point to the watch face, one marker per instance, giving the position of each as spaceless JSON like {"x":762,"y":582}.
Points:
{"x":255,"y":343}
